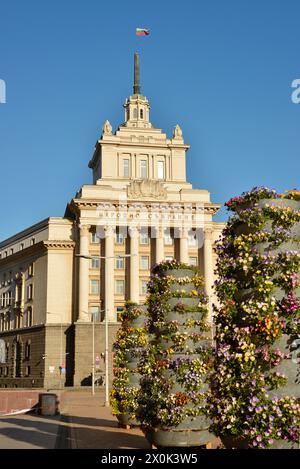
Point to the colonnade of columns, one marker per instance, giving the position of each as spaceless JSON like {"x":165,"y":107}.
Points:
{"x":134,"y":233}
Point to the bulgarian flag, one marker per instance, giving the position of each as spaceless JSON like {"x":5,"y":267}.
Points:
{"x":142,"y":32}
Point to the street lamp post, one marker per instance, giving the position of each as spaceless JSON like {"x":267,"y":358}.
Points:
{"x":61,"y":344}
{"x":106,"y":402}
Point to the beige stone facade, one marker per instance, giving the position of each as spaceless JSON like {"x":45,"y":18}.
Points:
{"x":53,"y":276}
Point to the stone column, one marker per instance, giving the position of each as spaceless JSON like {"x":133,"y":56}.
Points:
{"x":159,"y":246}
{"x":83,"y":304}
{"x":183,"y":246}
{"x":208,"y":267}
{"x":134,"y":234}
{"x":109,"y":274}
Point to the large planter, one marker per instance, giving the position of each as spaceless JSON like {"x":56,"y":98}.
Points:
{"x":256,"y":323}
{"x":181,"y":355}
{"x":125,"y":391}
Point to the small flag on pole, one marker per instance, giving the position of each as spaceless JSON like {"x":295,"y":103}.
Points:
{"x":142,"y":32}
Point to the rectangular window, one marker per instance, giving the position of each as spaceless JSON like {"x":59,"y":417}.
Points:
{"x":144,"y":238}
{"x":126,"y":168}
{"x":96,"y":314}
{"x":29,"y":292}
{"x":143,"y":287}
{"x":27,"y":350}
{"x":143,"y":169}
{"x":120,"y":287}
{"x":144,"y":262}
{"x":18,"y":321}
{"x":29,"y":317}
{"x":193,"y":261}
{"x":168,"y":240}
{"x":192,"y":240}
{"x":120,"y":239}
{"x":160,"y":170}
{"x":31,"y":270}
{"x":27,"y":371}
{"x":95,"y":262}
{"x":120,"y":263}
{"x":94,"y":238}
{"x":169,"y":258}
{"x":94,"y":287}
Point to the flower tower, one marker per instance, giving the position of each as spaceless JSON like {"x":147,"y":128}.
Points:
{"x":173,"y":394}
{"x":255,"y":383}
{"x":131,"y":344}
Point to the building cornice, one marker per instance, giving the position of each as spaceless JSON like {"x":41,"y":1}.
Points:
{"x":37,"y":248}
{"x":59,"y":244}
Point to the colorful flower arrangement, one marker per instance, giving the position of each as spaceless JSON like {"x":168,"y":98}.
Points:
{"x":259,"y":193}
{"x":257,"y":286}
{"x":175,"y":371}
{"x":131,"y":344}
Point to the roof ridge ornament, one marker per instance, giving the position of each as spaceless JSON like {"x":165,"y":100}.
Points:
{"x":177,"y":132}
{"x":107,"y":128}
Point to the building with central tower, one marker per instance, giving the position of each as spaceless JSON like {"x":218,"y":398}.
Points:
{"x":139,"y":210}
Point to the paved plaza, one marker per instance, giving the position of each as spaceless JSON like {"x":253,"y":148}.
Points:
{"x":84,"y":423}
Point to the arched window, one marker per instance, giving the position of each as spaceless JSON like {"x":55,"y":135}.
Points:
{"x":141,"y":114}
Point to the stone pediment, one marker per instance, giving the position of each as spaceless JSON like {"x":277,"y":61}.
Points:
{"x":146,"y":188}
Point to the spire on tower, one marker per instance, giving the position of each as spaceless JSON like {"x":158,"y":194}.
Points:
{"x":136,"y":85}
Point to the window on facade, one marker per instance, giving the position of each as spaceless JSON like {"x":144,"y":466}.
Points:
{"x":169,"y":258}
{"x":126,"y":168}
{"x":119,"y":287}
{"x":21,"y":246}
{"x":31,"y":270}
{"x":9,"y":299}
{"x":144,"y":262}
{"x":168,"y":240}
{"x":94,"y":238}
{"x":192,"y":239}
{"x":7,"y":322}
{"x":141,"y":114}
{"x":144,"y":238}
{"x":96,"y":314}
{"x":27,"y":350}
{"x":17,"y":321}
{"x":143,"y":169}
{"x":94,"y":287}
{"x":135,"y":113}
{"x":11,"y":251}
{"x":29,"y":292}
{"x":29,"y":317}
{"x":143,"y":287}
{"x":6,"y":371}
{"x":160,"y":170}
{"x":120,"y":263}
{"x":120,"y":239}
{"x":27,"y":371}
{"x":95,"y":262}
{"x":193,"y":261}
{"x":32,"y":241}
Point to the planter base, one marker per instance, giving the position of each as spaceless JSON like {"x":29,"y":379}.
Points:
{"x":160,"y":438}
{"x":126,"y":421}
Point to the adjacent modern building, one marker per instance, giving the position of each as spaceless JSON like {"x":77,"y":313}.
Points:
{"x":58,"y":274}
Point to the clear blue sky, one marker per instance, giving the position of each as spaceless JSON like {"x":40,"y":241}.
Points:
{"x":221,"y":69}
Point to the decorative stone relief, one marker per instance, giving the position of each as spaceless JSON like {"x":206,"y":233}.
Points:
{"x":146,"y":188}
